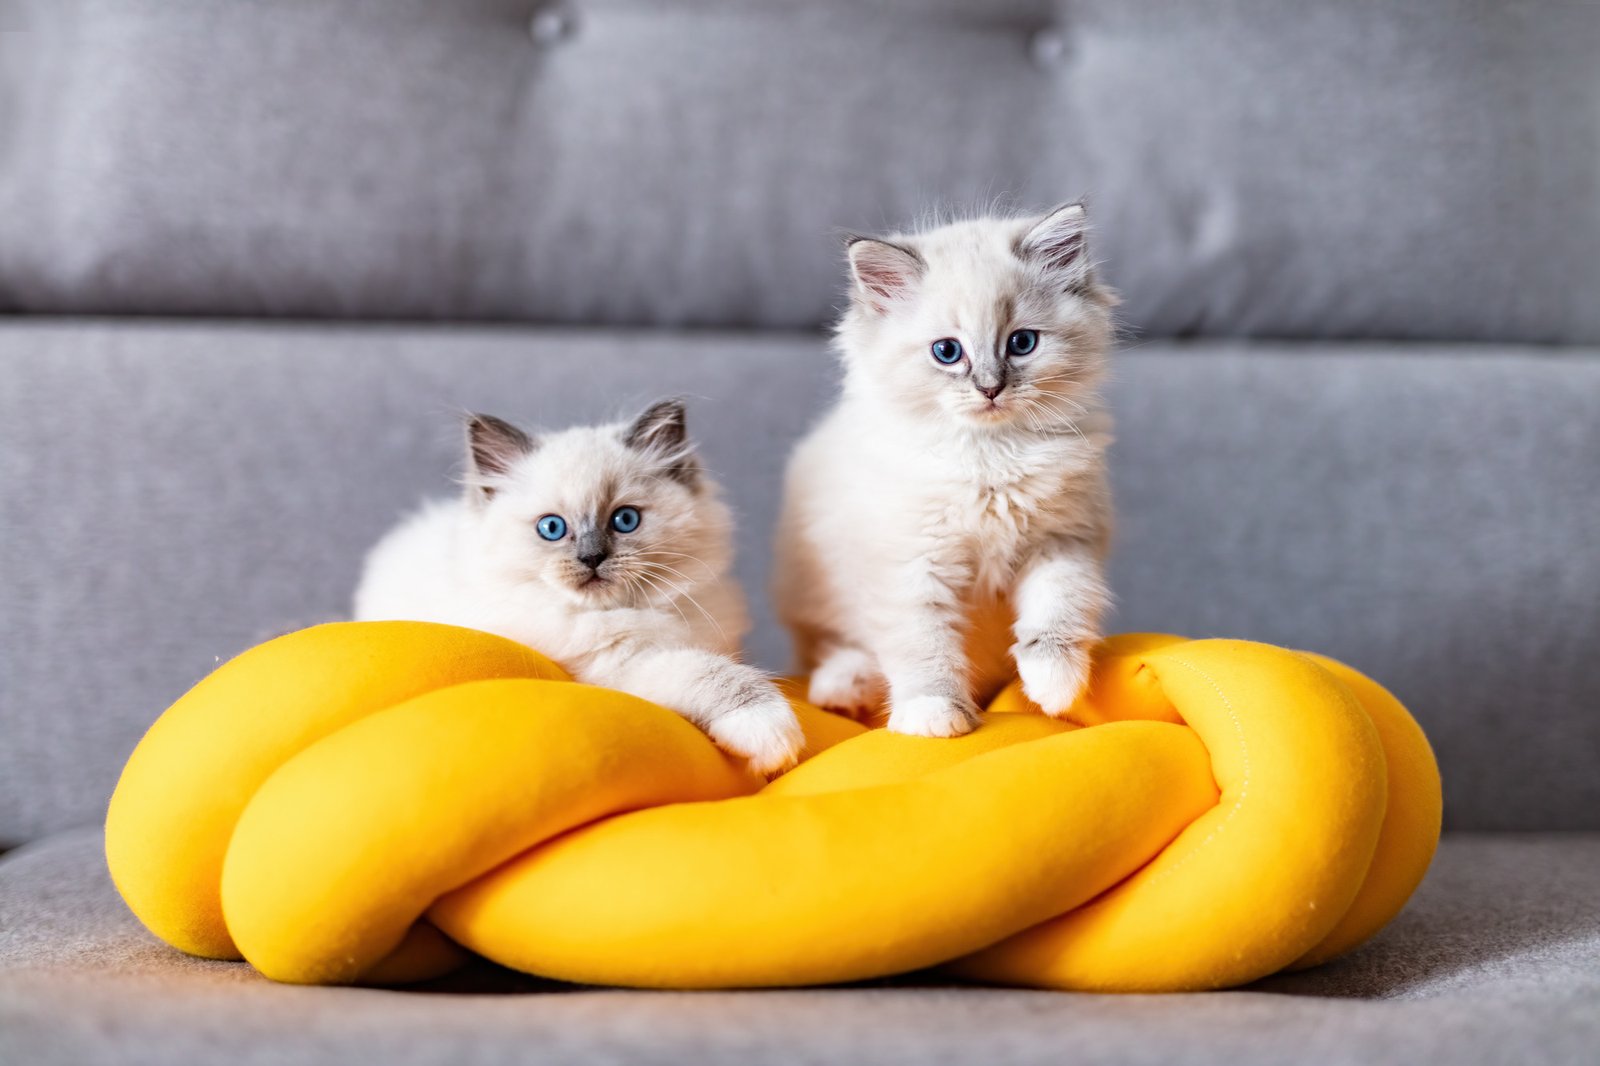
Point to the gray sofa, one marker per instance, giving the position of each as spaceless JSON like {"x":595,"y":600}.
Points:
{"x":255,"y":256}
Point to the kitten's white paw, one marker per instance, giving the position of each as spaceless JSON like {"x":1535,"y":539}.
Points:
{"x":1053,"y":673}
{"x":933,"y":716}
{"x":766,"y":734}
{"x":847,"y":682}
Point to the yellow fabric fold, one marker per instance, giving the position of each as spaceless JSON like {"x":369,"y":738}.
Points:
{"x":359,"y":802}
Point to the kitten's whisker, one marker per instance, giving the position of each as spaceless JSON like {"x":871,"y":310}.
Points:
{"x":707,"y":615}
{"x":1056,"y":395}
{"x":652,"y":552}
{"x":683,"y":593}
{"x":1037,"y":412}
{"x":1047,"y":398}
{"x":1070,"y":423}
{"x":672,"y":599}
{"x":1032,"y":419}
{"x":674,"y":571}
{"x":650,"y":559}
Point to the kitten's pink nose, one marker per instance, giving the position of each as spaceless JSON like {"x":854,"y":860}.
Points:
{"x":991,"y":391}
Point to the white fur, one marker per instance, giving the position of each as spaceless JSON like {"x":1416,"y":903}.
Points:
{"x":663,"y":624}
{"x":919,"y":507}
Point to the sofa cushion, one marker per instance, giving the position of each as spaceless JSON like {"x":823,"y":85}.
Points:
{"x":1425,"y":170}
{"x":175,"y":494}
{"x":1495,"y":960}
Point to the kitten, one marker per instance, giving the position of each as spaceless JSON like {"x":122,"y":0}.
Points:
{"x":606,"y":548}
{"x":958,"y":486}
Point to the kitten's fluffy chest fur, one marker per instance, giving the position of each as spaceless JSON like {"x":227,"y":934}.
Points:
{"x":881,"y":516}
{"x":985,"y":495}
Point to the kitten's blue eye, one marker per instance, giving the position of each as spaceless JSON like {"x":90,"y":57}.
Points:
{"x":947,"y":351}
{"x":625,"y":519}
{"x":1022,"y":342}
{"x":552,"y":527}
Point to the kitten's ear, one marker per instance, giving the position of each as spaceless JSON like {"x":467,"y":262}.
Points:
{"x":493,"y":445}
{"x":662,"y":427}
{"x":662,"y":432}
{"x":1059,"y":242}
{"x":883,"y":272}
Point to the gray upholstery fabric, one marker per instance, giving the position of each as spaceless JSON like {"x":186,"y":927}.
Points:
{"x":1496,"y":960}
{"x":173,"y":494}
{"x":1334,"y":169}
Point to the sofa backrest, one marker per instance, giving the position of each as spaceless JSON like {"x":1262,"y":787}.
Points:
{"x":170,"y":495}
{"x":1327,"y":169}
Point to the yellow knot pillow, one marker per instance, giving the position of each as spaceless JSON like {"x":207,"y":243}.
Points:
{"x":359,"y":801}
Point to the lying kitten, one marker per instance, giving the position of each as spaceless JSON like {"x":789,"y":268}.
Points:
{"x":959,"y":483}
{"x":606,"y":548}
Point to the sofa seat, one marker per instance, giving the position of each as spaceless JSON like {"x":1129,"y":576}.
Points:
{"x":1493,"y":961}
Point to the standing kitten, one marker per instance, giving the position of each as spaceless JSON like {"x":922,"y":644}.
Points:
{"x":606,"y":548}
{"x":959,"y":482}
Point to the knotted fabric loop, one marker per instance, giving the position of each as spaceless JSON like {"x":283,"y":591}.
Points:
{"x":370,"y":801}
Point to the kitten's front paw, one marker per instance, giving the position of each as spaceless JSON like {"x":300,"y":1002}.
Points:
{"x":766,"y":734}
{"x":1053,"y":672}
{"x":847,"y":682}
{"x":933,"y":716}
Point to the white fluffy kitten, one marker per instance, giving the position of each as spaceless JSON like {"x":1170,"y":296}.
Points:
{"x":606,"y":548}
{"x":958,"y":486}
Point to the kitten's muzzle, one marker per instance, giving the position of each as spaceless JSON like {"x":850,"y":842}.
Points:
{"x":593,"y":548}
{"x":987,"y":386}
